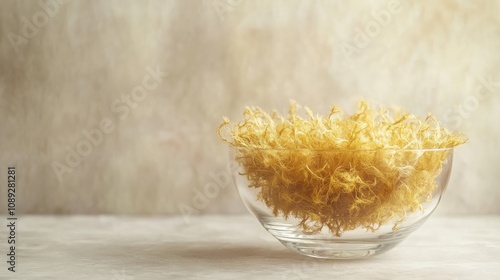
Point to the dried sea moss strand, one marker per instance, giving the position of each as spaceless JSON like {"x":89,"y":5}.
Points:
{"x":342,"y":172}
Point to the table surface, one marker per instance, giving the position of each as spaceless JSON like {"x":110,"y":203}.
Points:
{"x":235,"y":247}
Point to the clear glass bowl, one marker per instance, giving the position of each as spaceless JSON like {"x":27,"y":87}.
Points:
{"x":341,"y":204}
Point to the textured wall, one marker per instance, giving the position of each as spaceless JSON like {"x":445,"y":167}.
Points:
{"x":148,"y":83}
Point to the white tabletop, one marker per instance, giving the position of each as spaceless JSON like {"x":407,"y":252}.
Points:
{"x":235,"y":247}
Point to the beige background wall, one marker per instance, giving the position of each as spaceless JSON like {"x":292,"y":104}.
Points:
{"x":67,"y":74}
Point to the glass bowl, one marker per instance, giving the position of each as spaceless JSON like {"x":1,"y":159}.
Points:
{"x":341,"y":204}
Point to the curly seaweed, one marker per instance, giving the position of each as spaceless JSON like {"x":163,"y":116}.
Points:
{"x":341,"y":171}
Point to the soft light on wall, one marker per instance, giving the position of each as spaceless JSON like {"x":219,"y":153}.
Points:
{"x":111,"y":107}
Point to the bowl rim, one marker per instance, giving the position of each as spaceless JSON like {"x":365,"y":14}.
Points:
{"x":345,"y":150}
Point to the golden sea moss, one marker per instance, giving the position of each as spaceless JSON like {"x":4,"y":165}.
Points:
{"x":341,"y":171}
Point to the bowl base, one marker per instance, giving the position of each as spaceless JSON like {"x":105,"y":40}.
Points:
{"x":355,"y":244}
{"x":328,"y":250}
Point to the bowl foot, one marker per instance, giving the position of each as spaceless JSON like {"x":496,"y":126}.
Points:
{"x":345,"y":250}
